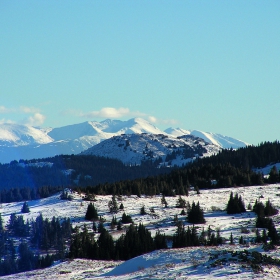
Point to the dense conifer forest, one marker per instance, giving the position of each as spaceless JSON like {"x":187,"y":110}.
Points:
{"x":71,"y":170}
{"x":20,"y":241}
{"x":227,"y":169}
{"x":100,"y":175}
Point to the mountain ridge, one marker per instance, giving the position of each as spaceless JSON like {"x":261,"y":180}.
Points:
{"x":26,"y":142}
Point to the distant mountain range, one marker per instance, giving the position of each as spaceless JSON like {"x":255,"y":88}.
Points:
{"x":25,"y":142}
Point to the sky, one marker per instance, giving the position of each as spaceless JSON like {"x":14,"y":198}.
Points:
{"x":207,"y":65}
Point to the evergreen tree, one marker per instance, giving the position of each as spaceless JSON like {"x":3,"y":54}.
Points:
{"x":94,"y":227}
{"x":160,"y":241}
{"x":114,"y":222}
{"x":143,"y":211}
{"x":269,"y":209}
{"x":273,"y":175}
{"x":264,"y":236}
{"x":231,"y":239}
{"x":25,"y":208}
{"x":235,"y":204}
{"x":163,"y":201}
{"x":126,"y":219}
{"x":106,"y":245}
{"x":1,"y":224}
{"x":195,"y":214}
{"x":113,"y":206}
{"x":100,"y":227}
{"x":26,"y":258}
{"x":91,"y":213}
{"x":258,"y":236}
{"x":181,"y":203}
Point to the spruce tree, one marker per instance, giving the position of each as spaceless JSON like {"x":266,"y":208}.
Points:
{"x":91,"y":213}
{"x":163,"y":201}
{"x":1,"y":224}
{"x":113,"y":206}
{"x":195,"y":214}
{"x":143,"y":211}
{"x":181,"y":203}
{"x":231,"y":239}
{"x":235,"y":204}
{"x":25,"y":208}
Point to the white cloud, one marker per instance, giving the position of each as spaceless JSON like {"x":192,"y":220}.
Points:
{"x":28,"y":110}
{"x":4,"y":110}
{"x":113,"y":113}
{"x":35,"y":120}
{"x":108,"y":112}
{"x":152,"y":119}
{"x":6,"y":121}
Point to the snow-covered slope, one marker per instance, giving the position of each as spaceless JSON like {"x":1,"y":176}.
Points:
{"x":224,"y":142}
{"x":134,"y":148}
{"x":21,"y":135}
{"x":205,"y":262}
{"x":24,"y":142}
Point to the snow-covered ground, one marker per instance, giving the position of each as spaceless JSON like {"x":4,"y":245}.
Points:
{"x":185,"y":263}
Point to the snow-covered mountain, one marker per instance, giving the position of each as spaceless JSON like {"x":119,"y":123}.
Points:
{"x":224,"y":142}
{"x":21,"y":135}
{"x":135,"y":148}
{"x":25,"y":142}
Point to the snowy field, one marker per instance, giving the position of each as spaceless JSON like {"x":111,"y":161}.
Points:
{"x":186,"y":263}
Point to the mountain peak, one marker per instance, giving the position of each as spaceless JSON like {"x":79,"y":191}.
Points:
{"x":24,"y":142}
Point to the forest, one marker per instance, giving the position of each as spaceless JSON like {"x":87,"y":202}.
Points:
{"x":99,"y":175}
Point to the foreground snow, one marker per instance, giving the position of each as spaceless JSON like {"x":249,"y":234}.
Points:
{"x":186,"y":263}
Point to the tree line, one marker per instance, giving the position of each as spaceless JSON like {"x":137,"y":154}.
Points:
{"x":35,"y":237}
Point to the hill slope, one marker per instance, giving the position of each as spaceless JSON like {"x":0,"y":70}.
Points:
{"x":205,"y":262}
{"x":135,"y":148}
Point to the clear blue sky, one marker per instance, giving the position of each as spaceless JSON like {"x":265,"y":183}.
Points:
{"x":206,"y":65}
